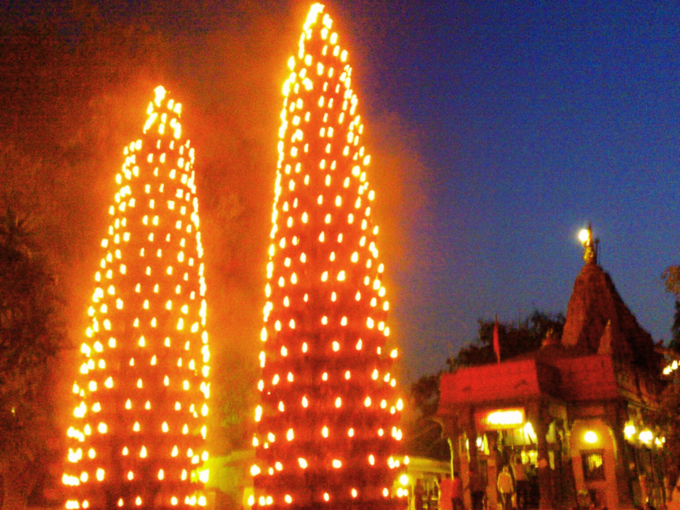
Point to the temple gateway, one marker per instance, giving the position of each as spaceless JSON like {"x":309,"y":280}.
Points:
{"x":571,"y":413}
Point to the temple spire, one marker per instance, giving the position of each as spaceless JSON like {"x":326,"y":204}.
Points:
{"x":590,"y":244}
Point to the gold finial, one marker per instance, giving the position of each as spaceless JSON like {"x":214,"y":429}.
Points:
{"x":589,"y":245}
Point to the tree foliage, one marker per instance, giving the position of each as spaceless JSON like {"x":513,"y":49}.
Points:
{"x":425,"y":394}
{"x":31,"y":336}
{"x":666,"y":418}
{"x":515,"y":338}
{"x":424,"y":433}
{"x":674,"y":344}
{"x":671,"y":280}
{"x":665,"y":421}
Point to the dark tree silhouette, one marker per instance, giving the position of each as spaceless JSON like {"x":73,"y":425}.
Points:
{"x":671,"y":280}
{"x":515,"y":338}
{"x":31,"y":336}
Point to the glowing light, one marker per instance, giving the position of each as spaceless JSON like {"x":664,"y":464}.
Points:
{"x":629,"y":431}
{"x":155,"y":192}
{"x":590,"y":437}
{"x":646,"y":436}
{"x":510,"y":417}
{"x":325,"y":312}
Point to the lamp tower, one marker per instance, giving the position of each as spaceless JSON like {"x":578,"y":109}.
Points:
{"x":137,"y":433}
{"x":327,"y":426}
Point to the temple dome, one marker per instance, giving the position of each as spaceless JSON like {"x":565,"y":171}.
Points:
{"x":598,"y":321}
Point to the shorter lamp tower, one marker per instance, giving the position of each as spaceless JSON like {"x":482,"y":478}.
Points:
{"x":137,"y":434}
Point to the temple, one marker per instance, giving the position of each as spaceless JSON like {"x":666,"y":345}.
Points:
{"x":572,"y":412}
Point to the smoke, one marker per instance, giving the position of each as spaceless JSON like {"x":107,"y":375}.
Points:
{"x":230,"y":79}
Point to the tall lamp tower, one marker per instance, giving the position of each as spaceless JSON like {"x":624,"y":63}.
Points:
{"x":327,"y":428}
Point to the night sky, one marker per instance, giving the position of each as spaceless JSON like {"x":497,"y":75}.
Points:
{"x":510,"y":125}
{"x":535,"y":118}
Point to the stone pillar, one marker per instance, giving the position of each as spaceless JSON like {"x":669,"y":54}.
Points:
{"x":452,"y":450}
{"x":616,"y":420}
{"x":471,"y":435}
{"x":492,"y":469}
{"x":464,"y":471}
{"x":448,"y":425}
{"x":456,"y":448}
{"x":565,"y":478}
{"x":559,"y":474}
{"x":540,"y":420}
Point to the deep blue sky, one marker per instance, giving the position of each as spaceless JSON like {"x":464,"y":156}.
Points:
{"x":532,"y":119}
{"x":538,"y":117}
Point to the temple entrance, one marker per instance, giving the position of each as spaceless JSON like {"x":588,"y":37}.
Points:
{"x":515,"y":448}
{"x":506,"y":438}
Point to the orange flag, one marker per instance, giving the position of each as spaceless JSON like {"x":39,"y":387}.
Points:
{"x":496,"y":341}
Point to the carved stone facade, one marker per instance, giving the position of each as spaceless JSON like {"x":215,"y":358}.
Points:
{"x":572,"y":410}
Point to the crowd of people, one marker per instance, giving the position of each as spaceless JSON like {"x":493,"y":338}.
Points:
{"x":513,"y":486}
{"x":517,"y":489}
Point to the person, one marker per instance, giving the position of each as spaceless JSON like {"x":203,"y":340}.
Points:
{"x":476,"y":490}
{"x":532,"y":477}
{"x":457,"y":493}
{"x":435,"y":493}
{"x":506,"y":487}
{"x":418,"y":493}
{"x":522,"y":482}
{"x":446,"y":493}
{"x":644,"y":489}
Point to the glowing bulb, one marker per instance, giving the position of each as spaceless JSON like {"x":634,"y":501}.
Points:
{"x":590,"y":437}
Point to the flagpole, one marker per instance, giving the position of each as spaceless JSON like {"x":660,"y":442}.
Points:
{"x":496,"y":340}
